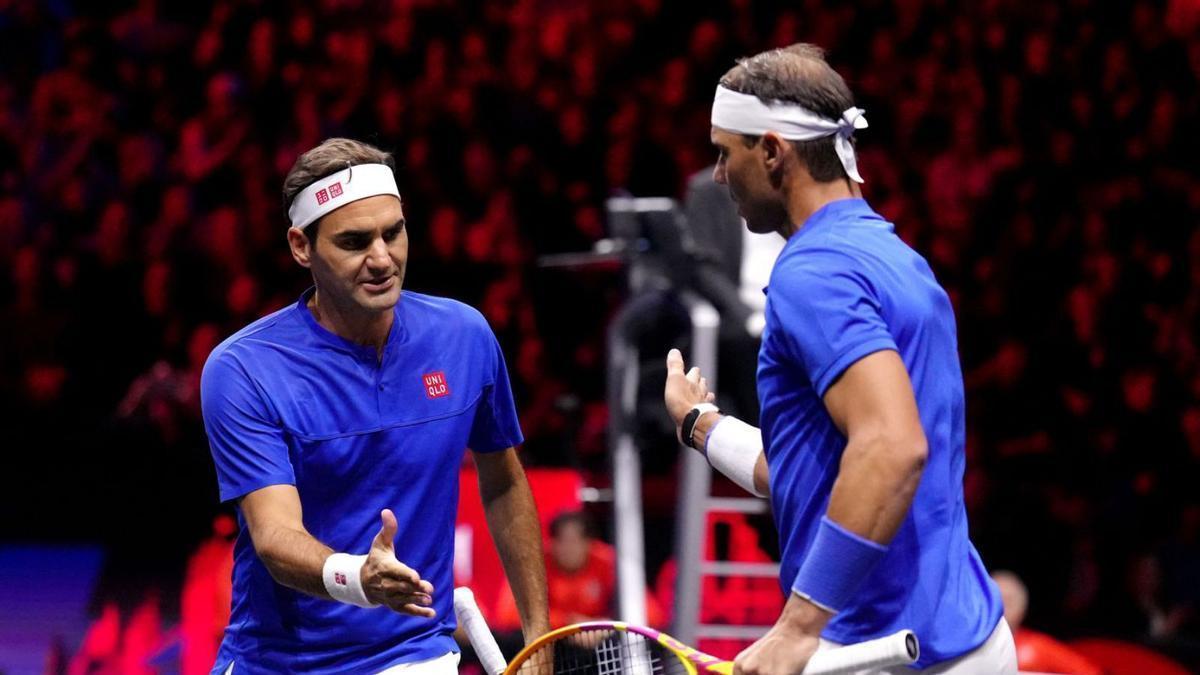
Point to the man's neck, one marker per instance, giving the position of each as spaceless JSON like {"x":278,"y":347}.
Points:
{"x":806,"y":197}
{"x":364,"y":328}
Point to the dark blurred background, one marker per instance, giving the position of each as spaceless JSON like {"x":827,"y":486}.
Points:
{"x":1040,"y":155}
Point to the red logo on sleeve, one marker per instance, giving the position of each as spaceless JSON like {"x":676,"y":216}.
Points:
{"x":339,"y":578}
{"x":335,"y":190}
{"x":435,"y":384}
{"x":322,"y":196}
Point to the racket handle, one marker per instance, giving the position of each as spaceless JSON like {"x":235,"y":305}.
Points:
{"x":899,"y":649}
{"x":472,"y":621}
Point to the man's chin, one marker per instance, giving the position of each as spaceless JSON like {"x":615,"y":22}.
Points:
{"x":379,"y":302}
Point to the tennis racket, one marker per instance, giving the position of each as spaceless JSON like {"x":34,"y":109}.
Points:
{"x":617,"y":648}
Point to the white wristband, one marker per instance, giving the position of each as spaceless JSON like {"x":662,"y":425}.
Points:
{"x":733,"y":447}
{"x":342,"y":575}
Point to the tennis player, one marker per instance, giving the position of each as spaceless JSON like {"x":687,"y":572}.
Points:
{"x":339,"y":424}
{"x":862,"y":442}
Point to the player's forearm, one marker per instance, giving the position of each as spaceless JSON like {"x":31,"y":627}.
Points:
{"x":762,"y":474}
{"x":294,"y":558}
{"x":513,"y":522}
{"x":877,"y":479}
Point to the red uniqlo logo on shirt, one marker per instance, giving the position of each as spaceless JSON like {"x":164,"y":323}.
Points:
{"x":339,"y":578}
{"x":335,"y":190}
{"x":435,"y":384}
{"x":322,"y":196}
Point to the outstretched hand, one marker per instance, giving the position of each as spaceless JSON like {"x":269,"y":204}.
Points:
{"x":387,"y":581}
{"x":683,"y":390}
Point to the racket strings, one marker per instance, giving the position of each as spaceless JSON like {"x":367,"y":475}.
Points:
{"x":600,"y":651}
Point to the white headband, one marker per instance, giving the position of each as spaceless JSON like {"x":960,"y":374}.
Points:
{"x":746,"y":114}
{"x":335,"y":191}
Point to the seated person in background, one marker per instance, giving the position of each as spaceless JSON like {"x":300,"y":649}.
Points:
{"x":580,"y":578}
{"x":1037,"y":651}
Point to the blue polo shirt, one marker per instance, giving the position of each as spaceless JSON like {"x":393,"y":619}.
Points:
{"x":286,"y":402}
{"x":845,"y":286}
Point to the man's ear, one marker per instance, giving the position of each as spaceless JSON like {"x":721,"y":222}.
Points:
{"x":776,"y":150}
{"x":302,"y":248}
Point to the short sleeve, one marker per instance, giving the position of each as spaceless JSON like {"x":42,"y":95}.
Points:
{"x":246,"y":441}
{"x":829,"y":314}
{"x":496,"y":426}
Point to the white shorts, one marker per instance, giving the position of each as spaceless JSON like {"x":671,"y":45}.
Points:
{"x":996,"y":656}
{"x":446,"y":664}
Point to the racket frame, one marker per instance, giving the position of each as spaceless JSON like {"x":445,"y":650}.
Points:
{"x":694,"y":660}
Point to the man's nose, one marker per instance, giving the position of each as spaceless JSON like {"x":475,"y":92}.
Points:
{"x":377,"y":255}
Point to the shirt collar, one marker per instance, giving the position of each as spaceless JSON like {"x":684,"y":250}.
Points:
{"x":844,"y":210}
{"x":365,"y":352}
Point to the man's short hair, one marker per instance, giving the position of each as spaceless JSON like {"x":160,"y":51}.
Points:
{"x":798,"y":74}
{"x":566,"y":518}
{"x":326,"y":159}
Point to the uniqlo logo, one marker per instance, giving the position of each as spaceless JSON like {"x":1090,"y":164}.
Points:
{"x":335,"y":190}
{"x":322,"y":196}
{"x":339,"y":578}
{"x":435,"y":384}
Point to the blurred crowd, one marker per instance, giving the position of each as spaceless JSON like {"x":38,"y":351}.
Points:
{"x":1040,"y":155}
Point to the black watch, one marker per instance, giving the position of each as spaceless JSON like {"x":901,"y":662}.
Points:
{"x":688,"y":428}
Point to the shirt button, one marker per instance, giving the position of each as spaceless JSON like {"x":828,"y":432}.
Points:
{"x":381,"y":387}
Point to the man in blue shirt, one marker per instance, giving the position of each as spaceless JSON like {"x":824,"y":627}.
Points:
{"x":339,"y":425}
{"x":861,"y":448}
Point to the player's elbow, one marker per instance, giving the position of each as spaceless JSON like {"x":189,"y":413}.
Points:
{"x":270,"y":546}
{"x":901,"y":455}
{"x":907,"y":452}
{"x":499,"y":474}
{"x":276,"y":569}
{"x":266,"y":546}
{"x":914,"y":452}
{"x":901,"y":459}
